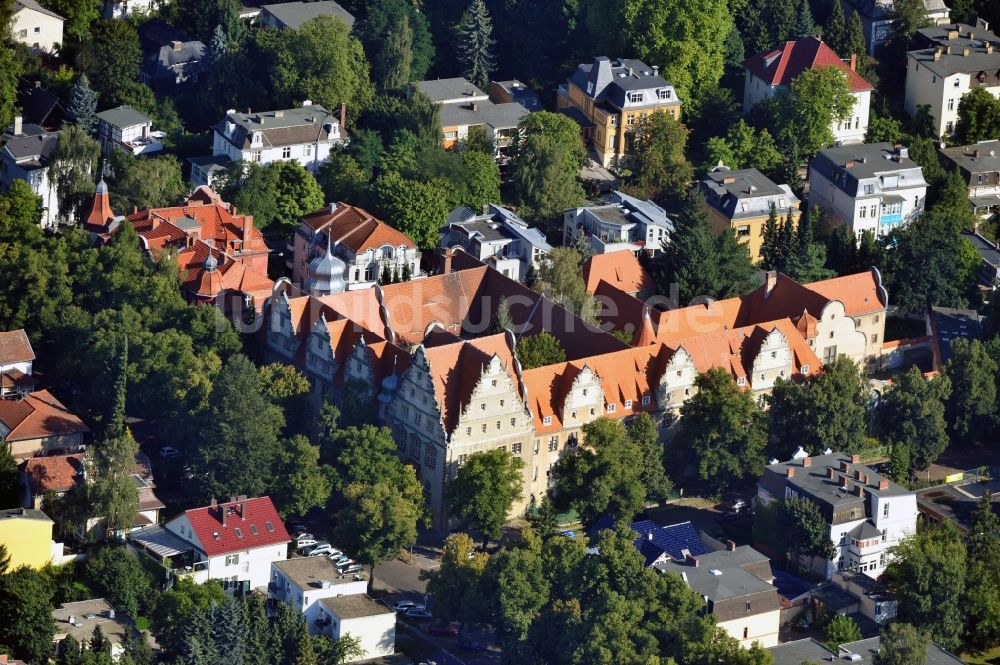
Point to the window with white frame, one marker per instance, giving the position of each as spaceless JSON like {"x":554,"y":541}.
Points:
{"x":635,"y":97}
{"x":664,"y":94}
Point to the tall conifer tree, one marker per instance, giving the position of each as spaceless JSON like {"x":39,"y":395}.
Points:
{"x":475,"y":43}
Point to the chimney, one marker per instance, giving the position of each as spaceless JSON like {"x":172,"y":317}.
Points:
{"x":807,"y":462}
{"x":213,"y":503}
{"x":343,"y":116}
{"x":770,"y":281}
{"x":176,"y":45}
{"x":883,"y":484}
{"x":18,"y":125}
{"x":656,"y":70}
{"x":830,"y":472}
{"x":730,"y":546}
{"x":843,"y":481}
{"x":937,"y":55}
{"x":975,"y":154}
{"x":857,"y":474}
{"x":475,"y":106}
{"x":947,"y":49}
{"x":965,"y":53}
{"x":859,"y":490}
{"x":989,"y":47}
{"x":854,"y":62}
{"x":247,"y":224}
{"x":446,"y":255}
{"x":691,"y":560}
{"x":855,"y":459}
{"x":649,"y":535}
{"x":789,"y":472}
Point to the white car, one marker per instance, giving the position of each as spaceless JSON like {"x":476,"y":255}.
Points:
{"x":335,"y":554}
{"x":303,"y":543}
{"x":305,"y":536}
{"x":320,"y":548}
{"x":404,"y":605}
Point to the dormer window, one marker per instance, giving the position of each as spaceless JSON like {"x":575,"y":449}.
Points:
{"x":635,"y":97}
{"x":664,"y":94}
{"x":741,"y":380}
{"x":805,"y":369}
{"x":645,"y":400}
{"x":611,"y":408}
{"x":547,"y":420}
{"x":628,"y":404}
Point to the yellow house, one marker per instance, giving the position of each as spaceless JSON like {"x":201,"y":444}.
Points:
{"x":27,"y":535}
{"x":608,"y":99}
{"x":741,"y":200}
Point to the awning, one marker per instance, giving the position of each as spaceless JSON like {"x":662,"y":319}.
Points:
{"x":985,"y":201}
{"x":161,"y":542}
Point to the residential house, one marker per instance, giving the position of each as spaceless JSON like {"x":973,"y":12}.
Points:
{"x":620,"y":270}
{"x":464,"y":106}
{"x":877,"y":16}
{"x":736,"y":584}
{"x":867,"y":514}
{"x":38,"y":424}
{"x":123,"y":128}
{"x":945,"y":325}
{"x":7,"y":660}
{"x":206,"y":168}
{"x":862,"y":652}
{"x":955,"y":501}
{"x":624,"y":222}
{"x":27,"y":535}
{"x":39,"y":106}
{"x":872,"y":187}
{"x":873,"y":601}
{"x":170,"y":58}
{"x":222,"y":257}
{"x":40,"y":28}
{"x":741,"y":201}
{"x":305,"y":135}
{"x":361,"y":617}
{"x":16,"y":360}
{"x":303,"y":581}
{"x":768,"y":73}
{"x":55,"y":474}
{"x":989,"y":252}
{"x":365,"y":248}
{"x":292,"y":15}
{"x":505,"y":92}
{"x":79,"y":620}
{"x":979,"y":167}
{"x":657,"y":544}
{"x":424,"y":355}
{"x":959,"y":58}
{"x":26,"y":155}
{"x":609,"y":100}
{"x":124,"y":8}
{"x":497,"y":237}
{"x":234,"y":541}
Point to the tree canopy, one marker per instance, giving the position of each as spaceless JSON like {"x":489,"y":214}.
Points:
{"x":484,"y":490}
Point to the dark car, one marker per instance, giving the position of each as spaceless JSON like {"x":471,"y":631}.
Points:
{"x":470,"y":643}
{"x":442,"y":630}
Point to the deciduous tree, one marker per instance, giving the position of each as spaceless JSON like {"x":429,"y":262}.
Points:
{"x":117,"y":575}
{"x":809,"y":107}
{"x":561,"y":279}
{"x":912,"y":415}
{"x":902,"y":644}
{"x":972,"y":405}
{"x":416,"y":207}
{"x":452,"y":584}
{"x":484,"y":490}
{"x":72,"y":169}
{"x":26,"y":604}
{"x":842,"y":629}
{"x":547,"y":158}
{"x":539,"y":350}
{"x":660,"y":168}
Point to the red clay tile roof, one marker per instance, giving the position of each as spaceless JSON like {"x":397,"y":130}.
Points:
{"x":56,"y":473}
{"x":39,"y":415}
{"x":250,"y":516}
{"x":620,"y":269}
{"x":100,"y":212}
{"x":15,"y":347}
{"x":229,"y":274}
{"x":15,"y":378}
{"x":356,"y":228}
{"x":860,"y":293}
{"x":412,"y":306}
{"x":780,"y":66}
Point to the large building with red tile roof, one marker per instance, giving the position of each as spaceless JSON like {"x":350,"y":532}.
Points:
{"x":38,"y":423}
{"x":367,"y":246}
{"x":767,"y":73}
{"x":234,"y":541}
{"x":430,"y":357}
{"x":222,"y":257}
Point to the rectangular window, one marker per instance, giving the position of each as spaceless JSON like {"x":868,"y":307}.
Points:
{"x":645,"y":400}
{"x":664,"y":94}
{"x":951,"y":104}
{"x":450,"y":136}
{"x":614,"y":121}
{"x":885,"y":510}
{"x":956,"y":83}
{"x":232,"y":559}
{"x":553,"y":444}
{"x":286,"y":152}
{"x":869,"y":189}
{"x":611,"y":408}
{"x":863,"y":212}
{"x":430,"y":456}
{"x":307,"y":150}
{"x":255,"y":155}
{"x":515,"y":448}
{"x":630,"y":119}
{"x":547,"y":420}
{"x":748,"y":606}
{"x":635,"y":97}
{"x":513,"y":422}
{"x":743,"y":231}
{"x":628,"y":404}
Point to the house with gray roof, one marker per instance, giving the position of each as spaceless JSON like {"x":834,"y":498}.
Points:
{"x":291,"y":15}
{"x":959,"y":58}
{"x":464,"y":106}
{"x":876,"y":18}
{"x":862,"y":652}
{"x":25,"y":154}
{"x":623,"y":222}
{"x":170,"y":58}
{"x":989,"y":252}
{"x":873,"y":187}
{"x":126,"y":129}
{"x":736,"y":584}
{"x":503,"y":92}
{"x":979,"y":166}
{"x":496,"y":236}
{"x":866,"y":512}
{"x":305,"y":135}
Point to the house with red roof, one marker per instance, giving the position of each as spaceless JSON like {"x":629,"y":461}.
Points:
{"x":222,"y":257}
{"x":16,"y":360}
{"x":57,"y":474}
{"x":38,"y":424}
{"x":234,"y":541}
{"x":767,"y":73}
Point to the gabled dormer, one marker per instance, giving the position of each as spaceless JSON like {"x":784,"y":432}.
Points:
{"x":493,"y":407}
{"x":319,"y":352}
{"x":773,"y":361}
{"x":584,"y":400}
{"x":677,"y":382}
{"x":281,"y":337}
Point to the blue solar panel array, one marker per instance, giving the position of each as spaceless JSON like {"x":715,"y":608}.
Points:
{"x":670,"y":539}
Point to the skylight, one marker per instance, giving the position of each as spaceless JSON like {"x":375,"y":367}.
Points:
{"x":239,"y":532}
{"x":253,"y":529}
{"x":270,"y":527}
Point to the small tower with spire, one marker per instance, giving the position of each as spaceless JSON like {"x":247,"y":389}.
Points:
{"x":100,"y":217}
{"x":326,"y":273}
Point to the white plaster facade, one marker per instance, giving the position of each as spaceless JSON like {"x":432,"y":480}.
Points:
{"x":851,"y":129}
{"x":305,"y":135}
{"x":39,"y":28}
{"x":761,"y":628}
{"x":287,"y":587}
{"x":376,"y":633}
{"x":939,"y":78}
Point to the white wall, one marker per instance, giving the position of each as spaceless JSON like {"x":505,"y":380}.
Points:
{"x":853,"y":128}
{"x":376,"y":633}
{"x":761,"y":628}
{"x":942,"y":94}
{"x":309,"y":155}
{"x":33,"y":27}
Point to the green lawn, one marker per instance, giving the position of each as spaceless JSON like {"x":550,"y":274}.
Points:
{"x":986,"y":658}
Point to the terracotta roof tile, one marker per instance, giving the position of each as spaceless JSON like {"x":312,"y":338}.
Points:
{"x":860,"y":293}
{"x":56,"y":473}
{"x":15,"y":347}
{"x":39,"y":415}
{"x":248,"y":524}
{"x":783,"y":64}
{"x":620,"y":269}
{"x":356,"y":228}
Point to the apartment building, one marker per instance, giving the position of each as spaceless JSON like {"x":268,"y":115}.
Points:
{"x":26,"y":154}
{"x":957,"y":58}
{"x":464,"y":106}
{"x":302,"y":582}
{"x":623,"y":222}
{"x":866,"y":513}
{"x":609,"y":99}
{"x":497,"y":237}
{"x":877,"y":17}
{"x":979,"y":166}
{"x":767,"y":73}
{"x":425,"y":355}
{"x":872,"y":187}
{"x":741,"y":201}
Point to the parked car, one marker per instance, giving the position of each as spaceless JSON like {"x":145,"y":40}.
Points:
{"x":335,"y":554}
{"x":169,"y":452}
{"x":442,"y":630}
{"x":296,"y":527}
{"x":469,"y":643}
{"x":339,"y":558}
{"x":568,"y":533}
{"x":305,"y":536}
{"x":350,"y":569}
{"x":417,"y":614}
{"x":403,"y":605}
{"x":320,"y":545}
{"x":304,"y":543}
